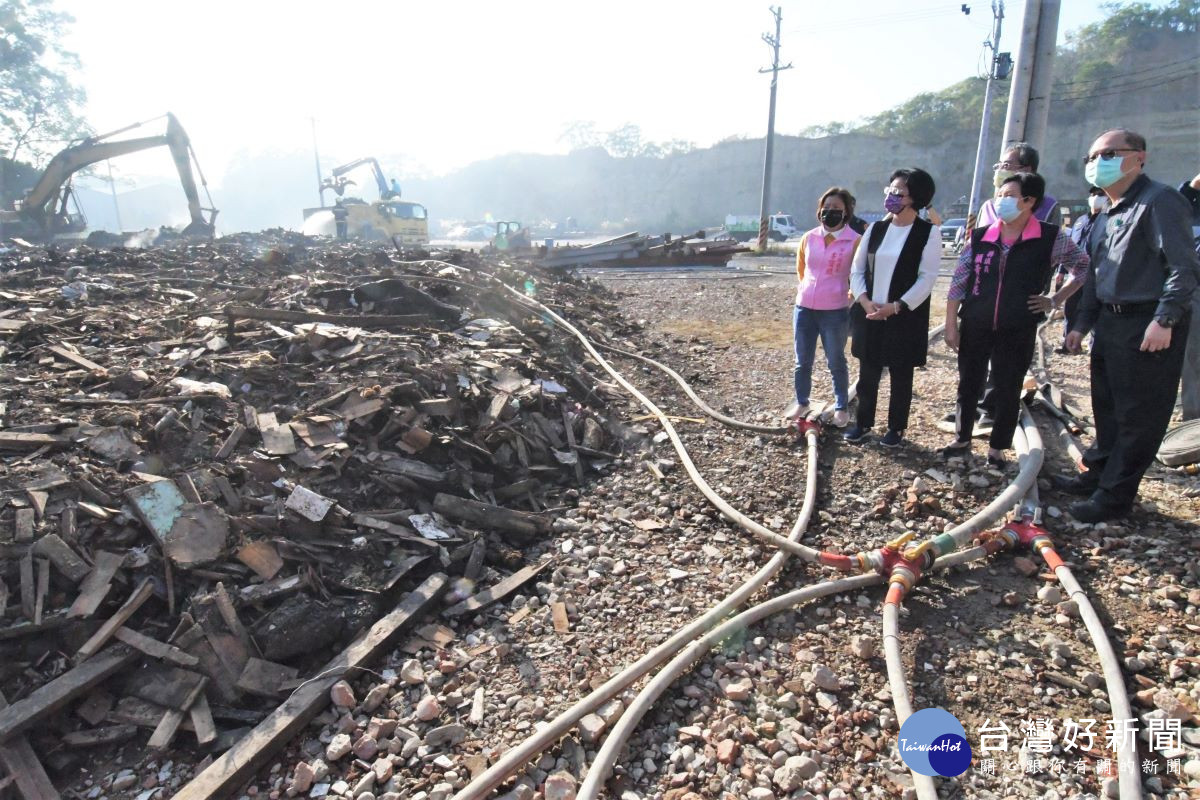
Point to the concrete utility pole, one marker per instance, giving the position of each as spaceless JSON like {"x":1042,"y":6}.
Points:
{"x":1029,"y":98}
{"x":775,"y":69}
{"x":317,"y":159}
{"x":112,"y":187}
{"x":984,"y":148}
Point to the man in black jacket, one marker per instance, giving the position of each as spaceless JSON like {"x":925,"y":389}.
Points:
{"x":1137,"y":300}
{"x":1191,"y":358}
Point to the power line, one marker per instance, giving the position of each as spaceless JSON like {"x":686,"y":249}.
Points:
{"x":1124,"y":75}
{"x":1149,"y":82}
{"x":879,"y":19}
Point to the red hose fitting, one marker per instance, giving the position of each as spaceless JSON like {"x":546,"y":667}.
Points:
{"x":838,"y":561}
{"x":1029,"y":532}
{"x":804,"y":425}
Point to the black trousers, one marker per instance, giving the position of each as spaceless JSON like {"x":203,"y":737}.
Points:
{"x":1010,"y":352}
{"x":1133,"y":395}
{"x":869,"y":375}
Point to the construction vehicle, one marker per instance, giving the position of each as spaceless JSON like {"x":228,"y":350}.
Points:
{"x":511,"y":236}
{"x":744,"y":227}
{"x":44,"y":214}
{"x":389,"y":217}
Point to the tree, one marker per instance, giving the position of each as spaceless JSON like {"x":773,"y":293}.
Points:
{"x":39,"y":102}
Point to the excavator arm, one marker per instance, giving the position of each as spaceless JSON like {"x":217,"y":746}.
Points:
{"x":338,"y":181}
{"x":44,"y":207}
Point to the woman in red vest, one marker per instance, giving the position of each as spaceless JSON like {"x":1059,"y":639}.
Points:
{"x":996,"y":301}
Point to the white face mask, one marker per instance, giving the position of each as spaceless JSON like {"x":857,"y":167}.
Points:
{"x":1098,"y":203}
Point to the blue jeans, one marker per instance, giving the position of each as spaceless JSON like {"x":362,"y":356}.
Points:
{"x":832,"y":326}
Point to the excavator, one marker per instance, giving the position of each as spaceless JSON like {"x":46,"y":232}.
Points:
{"x":43,"y":213}
{"x":389,"y":217}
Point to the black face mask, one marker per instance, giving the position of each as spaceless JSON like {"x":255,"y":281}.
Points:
{"x":832,"y":217}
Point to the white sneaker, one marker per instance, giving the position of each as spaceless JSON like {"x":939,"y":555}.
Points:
{"x":800,"y":412}
{"x":840,"y":419}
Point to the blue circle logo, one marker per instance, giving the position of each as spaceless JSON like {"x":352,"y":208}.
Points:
{"x":933,"y":742}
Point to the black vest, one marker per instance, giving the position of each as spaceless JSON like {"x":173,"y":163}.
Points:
{"x":997,"y":297}
{"x":902,"y":340}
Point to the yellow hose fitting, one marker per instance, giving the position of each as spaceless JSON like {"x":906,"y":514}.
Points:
{"x":896,"y":544}
{"x":914,"y":553}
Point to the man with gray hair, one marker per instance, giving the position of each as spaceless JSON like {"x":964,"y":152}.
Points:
{"x":1137,"y":302}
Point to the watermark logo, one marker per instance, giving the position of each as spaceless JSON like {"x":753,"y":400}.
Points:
{"x":933,"y":742}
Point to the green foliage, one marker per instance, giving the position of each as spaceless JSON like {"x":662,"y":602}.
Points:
{"x":39,"y":103}
{"x":1095,"y":62}
{"x":623,"y":142}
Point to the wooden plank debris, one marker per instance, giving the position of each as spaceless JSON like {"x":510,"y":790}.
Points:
{"x":76,"y":359}
{"x":238,"y":763}
{"x":154,"y":648}
{"x":265,"y":678}
{"x":21,"y":763}
{"x":50,"y":697}
{"x":31,"y":441}
{"x":165,"y":732}
{"x":106,"y":631}
{"x":490,"y":517}
{"x":23,"y":526}
{"x":28,"y":596}
{"x":231,"y":441}
{"x":169,"y":687}
{"x":96,"y":585}
{"x":262,"y":557}
{"x":498,"y":591}
{"x":65,"y":560}
{"x":202,"y":721}
{"x":558,"y":612}
{"x":43,"y":585}
{"x":97,"y":737}
{"x":355,"y":320}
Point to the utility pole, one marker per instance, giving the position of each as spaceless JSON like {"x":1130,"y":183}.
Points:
{"x":317,"y":159}
{"x":1029,"y":97}
{"x":775,"y":69}
{"x":995,"y":67}
{"x":112,"y":187}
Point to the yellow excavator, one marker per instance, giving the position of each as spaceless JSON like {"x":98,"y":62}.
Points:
{"x":389,"y":217}
{"x":43,"y":214}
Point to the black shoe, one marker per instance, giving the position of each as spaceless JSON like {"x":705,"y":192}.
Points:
{"x":1090,"y":512}
{"x":999,"y":462}
{"x":1076,"y":485}
{"x":892,"y":439}
{"x":951,"y":417}
{"x":854,"y":434}
{"x":956,"y":450}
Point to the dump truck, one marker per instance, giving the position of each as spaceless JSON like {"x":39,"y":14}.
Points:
{"x":389,"y":217}
{"x":45,"y":211}
{"x":744,"y":227}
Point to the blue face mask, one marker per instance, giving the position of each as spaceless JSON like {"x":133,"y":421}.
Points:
{"x":1007,"y":208}
{"x":1104,"y":172}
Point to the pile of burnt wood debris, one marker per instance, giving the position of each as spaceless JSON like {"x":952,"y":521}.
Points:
{"x":222,"y":463}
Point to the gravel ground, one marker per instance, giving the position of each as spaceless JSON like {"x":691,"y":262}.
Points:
{"x":798,"y":707}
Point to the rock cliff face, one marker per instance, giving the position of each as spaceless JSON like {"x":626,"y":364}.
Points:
{"x":685,"y":192}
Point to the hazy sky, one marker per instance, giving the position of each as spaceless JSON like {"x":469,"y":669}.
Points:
{"x":447,"y":83}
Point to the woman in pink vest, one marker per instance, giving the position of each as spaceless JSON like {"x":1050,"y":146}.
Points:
{"x":823,"y":262}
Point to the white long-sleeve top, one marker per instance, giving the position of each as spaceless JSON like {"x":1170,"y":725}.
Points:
{"x":885,"y":264}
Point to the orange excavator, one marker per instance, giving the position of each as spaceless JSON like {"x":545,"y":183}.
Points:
{"x":43,"y":213}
